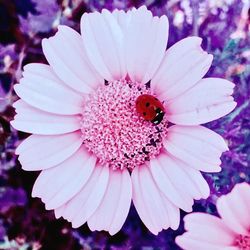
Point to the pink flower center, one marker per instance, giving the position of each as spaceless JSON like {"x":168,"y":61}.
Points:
{"x":114,"y":131}
{"x":243,"y":242}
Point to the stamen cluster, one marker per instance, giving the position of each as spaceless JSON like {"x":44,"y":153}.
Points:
{"x":243,"y":242}
{"x":114,"y":131}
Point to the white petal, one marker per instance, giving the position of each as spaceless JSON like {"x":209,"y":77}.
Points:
{"x":86,"y":201}
{"x":197,"y":146}
{"x":159,"y":168}
{"x":145,"y":44}
{"x":198,"y":181}
{"x":32,"y":120}
{"x":187,"y":180}
{"x":208,"y":100}
{"x":123,"y":18}
{"x":39,"y":152}
{"x":141,"y":205}
{"x":59,"y":211}
{"x":57,"y":185}
{"x":104,"y":43}
{"x":67,"y":56}
{"x":154,"y":209}
{"x":184,"y":64}
{"x":114,"y":208}
{"x":173,"y":212}
{"x":41,"y":89}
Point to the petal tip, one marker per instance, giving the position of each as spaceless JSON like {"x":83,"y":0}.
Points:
{"x":234,"y":104}
{"x":106,"y":11}
{"x":226,"y":148}
{"x":113,"y":232}
{"x":57,"y":216}
{"x":17,"y":151}
{"x":46,"y":206}
{"x":195,"y":39}
{"x":34,"y":193}
{"x":13,"y":123}
{"x":44,"y":41}
{"x":178,"y":240}
{"x":217,"y":170}
{"x":75,"y":225}
{"x":143,"y":7}
{"x":206,"y":193}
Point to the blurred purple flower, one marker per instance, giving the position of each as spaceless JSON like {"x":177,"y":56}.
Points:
{"x":48,"y":11}
{"x":10,"y":197}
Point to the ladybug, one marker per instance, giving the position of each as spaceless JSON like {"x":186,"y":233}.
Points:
{"x":150,"y":108}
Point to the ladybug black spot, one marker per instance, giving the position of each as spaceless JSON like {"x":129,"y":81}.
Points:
{"x":147,"y":104}
{"x":144,"y":113}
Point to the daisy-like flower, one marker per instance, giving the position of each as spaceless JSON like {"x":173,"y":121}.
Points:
{"x":230,"y":232}
{"x":96,"y":150}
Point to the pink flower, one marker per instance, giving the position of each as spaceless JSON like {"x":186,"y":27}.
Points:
{"x":230,"y":232}
{"x":95,"y":151}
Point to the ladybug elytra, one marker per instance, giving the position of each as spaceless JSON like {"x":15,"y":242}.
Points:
{"x":150,"y":108}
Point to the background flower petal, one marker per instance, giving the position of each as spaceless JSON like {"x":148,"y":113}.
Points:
{"x":234,"y":209}
{"x":206,"y":228}
{"x":187,"y":242}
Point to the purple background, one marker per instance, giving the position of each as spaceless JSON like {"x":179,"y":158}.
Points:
{"x":224,"y":26}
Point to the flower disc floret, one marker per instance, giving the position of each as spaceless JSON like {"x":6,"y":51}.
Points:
{"x":113,"y":130}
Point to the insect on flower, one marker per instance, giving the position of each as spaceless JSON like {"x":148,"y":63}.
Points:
{"x":150,"y":108}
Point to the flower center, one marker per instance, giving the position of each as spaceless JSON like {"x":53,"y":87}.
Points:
{"x":114,"y":131}
{"x":243,"y":242}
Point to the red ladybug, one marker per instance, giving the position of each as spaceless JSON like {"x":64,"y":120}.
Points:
{"x":150,"y":108}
